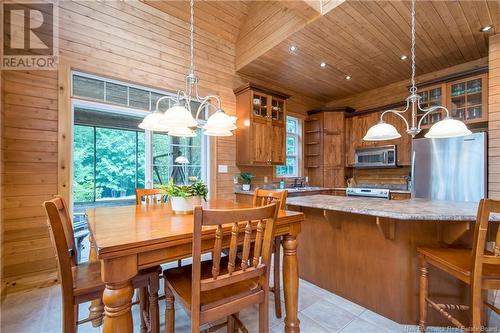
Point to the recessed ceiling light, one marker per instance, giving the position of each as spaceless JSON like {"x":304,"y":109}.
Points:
{"x":292,"y":48}
{"x":486,"y":28}
{"x":403,"y":57}
{"x":348,"y":77}
{"x":322,"y":65}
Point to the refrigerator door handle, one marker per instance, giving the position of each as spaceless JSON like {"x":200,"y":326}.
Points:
{"x":413,"y":160}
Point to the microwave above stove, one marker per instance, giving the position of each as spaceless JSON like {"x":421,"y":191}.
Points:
{"x":375,"y":157}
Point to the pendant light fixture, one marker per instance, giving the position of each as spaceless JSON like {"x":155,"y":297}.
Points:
{"x":446,"y":128}
{"x":178,"y":119}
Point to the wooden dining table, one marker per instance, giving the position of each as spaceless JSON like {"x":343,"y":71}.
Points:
{"x":131,"y":238}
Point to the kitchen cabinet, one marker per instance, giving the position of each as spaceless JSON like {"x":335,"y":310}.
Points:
{"x":261,"y":133}
{"x":400,"y":196}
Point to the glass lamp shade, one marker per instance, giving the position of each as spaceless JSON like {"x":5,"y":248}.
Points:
{"x":219,"y":124}
{"x":153,"y":122}
{"x":217,"y":133}
{"x":185,"y":132}
{"x":178,"y":116}
{"x":447,"y":128}
{"x":381,"y":131}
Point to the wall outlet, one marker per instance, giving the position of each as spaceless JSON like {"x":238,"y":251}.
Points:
{"x":266,"y":179}
{"x":222,"y":168}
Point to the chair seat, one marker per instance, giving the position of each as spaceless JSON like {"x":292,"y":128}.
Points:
{"x":87,"y":278}
{"x":179,"y":281}
{"x":458,"y":263}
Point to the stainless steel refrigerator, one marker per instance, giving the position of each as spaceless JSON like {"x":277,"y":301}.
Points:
{"x":450,"y":169}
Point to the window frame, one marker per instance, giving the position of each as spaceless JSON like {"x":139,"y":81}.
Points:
{"x":298,"y":150}
{"x":103,"y":106}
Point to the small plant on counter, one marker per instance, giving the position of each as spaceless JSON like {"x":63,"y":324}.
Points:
{"x":247,"y":180}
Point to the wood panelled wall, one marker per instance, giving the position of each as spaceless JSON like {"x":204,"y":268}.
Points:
{"x":494,"y":118}
{"x":129,"y":41}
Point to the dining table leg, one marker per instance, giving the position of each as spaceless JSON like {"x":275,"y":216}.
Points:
{"x":291,"y":283}
{"x":117,"y":274}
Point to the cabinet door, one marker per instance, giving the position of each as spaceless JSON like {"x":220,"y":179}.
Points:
{"x":261,"y":142}
{"x":468,"y":99}
{"x":277,"y":144}
{"x":333,"y":150}
{"x":333,"y":121}
{"x":260,"y":106}
{"x":333,"y":177}
{"x":349,"y":142}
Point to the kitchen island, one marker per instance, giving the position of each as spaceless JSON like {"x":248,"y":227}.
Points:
{"x":364,"y":249}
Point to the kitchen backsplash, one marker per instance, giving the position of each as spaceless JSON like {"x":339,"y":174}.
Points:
{"x":393,"y":177}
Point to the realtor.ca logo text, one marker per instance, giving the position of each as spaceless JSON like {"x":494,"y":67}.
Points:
{"x":29,"y":35}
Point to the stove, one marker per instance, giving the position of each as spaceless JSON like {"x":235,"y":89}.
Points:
{"x":367,"y":192}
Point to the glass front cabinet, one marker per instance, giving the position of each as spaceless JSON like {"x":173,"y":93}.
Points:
{"x":466,"y":99}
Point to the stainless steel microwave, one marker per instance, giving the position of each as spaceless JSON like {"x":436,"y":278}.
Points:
{"x":375,"y":157}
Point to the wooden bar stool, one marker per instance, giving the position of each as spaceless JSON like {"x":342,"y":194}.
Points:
{"x":222,"y":287}
{"x":149,"y":195}
{"x":81,"y":282}
{"x":264,"y":197}
{"x":476,"y":267}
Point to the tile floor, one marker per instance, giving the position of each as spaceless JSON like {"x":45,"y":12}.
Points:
{"x":39,"y":311}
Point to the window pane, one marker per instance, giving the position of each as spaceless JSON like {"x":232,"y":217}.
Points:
{"x":116,"y":93}
{"x":164,"y":104}
{"x":87,"y":87}
{"x":139,"y":98}
{"x":83,"y":167}
{"x":290,"y":145}
{"x":115,"y":163}
{"x":141,"y":160}
{"x":291,"y":125}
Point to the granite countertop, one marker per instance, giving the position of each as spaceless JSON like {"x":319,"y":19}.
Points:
{"x":290,"y":190}
{"x":411,"y":209}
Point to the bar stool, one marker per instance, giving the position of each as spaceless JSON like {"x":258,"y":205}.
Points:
{"x":476,"y":267}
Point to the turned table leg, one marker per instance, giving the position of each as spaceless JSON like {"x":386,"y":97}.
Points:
{"x":96,"y":308}
{"x":291,"y":284}
{"x":117,"y":274}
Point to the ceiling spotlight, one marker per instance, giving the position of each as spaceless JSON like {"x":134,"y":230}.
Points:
{"x":322,"y":65}
{"x":348,"y":77}
{"x":486,"y":28}
{"x":403,"y":57}
{"x":292,"y":48}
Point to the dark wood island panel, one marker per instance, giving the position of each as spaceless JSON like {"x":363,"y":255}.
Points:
{"x":372,"y":261}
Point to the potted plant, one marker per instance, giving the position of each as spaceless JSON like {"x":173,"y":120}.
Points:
{"x":247,"y":180}
{"x":183,"y":198}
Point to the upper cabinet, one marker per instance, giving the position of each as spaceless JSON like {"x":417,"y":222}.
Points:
{"x":260,"y":137}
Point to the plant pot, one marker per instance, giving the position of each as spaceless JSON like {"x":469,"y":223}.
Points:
{"x":182,"y":205}
{"x":246,"y":187}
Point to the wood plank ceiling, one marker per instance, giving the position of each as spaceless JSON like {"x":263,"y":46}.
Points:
{"x":365,"y":39}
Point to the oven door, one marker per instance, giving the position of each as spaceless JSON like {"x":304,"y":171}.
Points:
{"x":379,"y":157}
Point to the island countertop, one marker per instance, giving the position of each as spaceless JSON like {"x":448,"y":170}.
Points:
{"x":412,"y":209}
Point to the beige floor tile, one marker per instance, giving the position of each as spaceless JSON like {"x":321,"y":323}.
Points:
{"x":328,"y":315}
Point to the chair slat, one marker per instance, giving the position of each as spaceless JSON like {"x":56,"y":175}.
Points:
{"x":258,"y":244}
{"x":233,"y":248}
{"x":217,"y":251}
{"x":246,"y":246}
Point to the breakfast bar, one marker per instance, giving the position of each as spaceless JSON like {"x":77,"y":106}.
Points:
{"x":365,"y":249}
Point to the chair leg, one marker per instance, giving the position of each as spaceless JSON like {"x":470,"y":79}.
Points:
{"x":277,"y":278}
{"x":476,"y":309}
{"x":143,"y":308}
{"x":264,"y":315}
{"x":231,"y":324}
{"x":154,"y":315}
{"x":424,"y":285}
{"x":169,"y":310}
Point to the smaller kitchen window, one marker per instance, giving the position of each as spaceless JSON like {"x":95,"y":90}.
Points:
{"x":293,"y":130}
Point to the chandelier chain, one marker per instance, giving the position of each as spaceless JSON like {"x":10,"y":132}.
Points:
{"x":191,"y":36}
{"x":413,"y":89}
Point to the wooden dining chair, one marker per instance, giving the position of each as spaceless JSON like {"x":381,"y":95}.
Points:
{"x":81,"y":282}
{"x":477,"y":267}
{"x":149,"y":195}
{"x":222,"y":287}
{"x":264,"y":197}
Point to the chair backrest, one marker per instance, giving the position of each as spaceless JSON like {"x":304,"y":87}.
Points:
{"x":61,"y":235}
{"x":150,"y":195}
{"x":247,"y":225}
{"x":479,"y":257}
{"x":265,"y":197}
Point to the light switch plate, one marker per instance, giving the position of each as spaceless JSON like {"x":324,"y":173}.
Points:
{"x":222,"y":168}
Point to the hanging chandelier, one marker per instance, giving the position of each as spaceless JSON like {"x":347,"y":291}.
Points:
{"x":178,"y":119}
{"x":446,"y":128}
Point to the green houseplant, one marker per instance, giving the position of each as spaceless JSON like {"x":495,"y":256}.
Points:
{"x":183,"y":198}
{"x":247,"y":180}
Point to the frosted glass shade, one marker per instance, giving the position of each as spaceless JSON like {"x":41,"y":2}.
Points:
{"x":153,"y":122}
{"x":219,"y":124}
{"x":178,"y":116}
{"x":217,"y":133}
{"x":185,"y":132}
{"x":447,"y":128}
{"x":381,"y":131}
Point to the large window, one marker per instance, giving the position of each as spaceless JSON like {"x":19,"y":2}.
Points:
{"x":291,"y":169}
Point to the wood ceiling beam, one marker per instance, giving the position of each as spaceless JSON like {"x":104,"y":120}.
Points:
{"x":268,"y":24}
